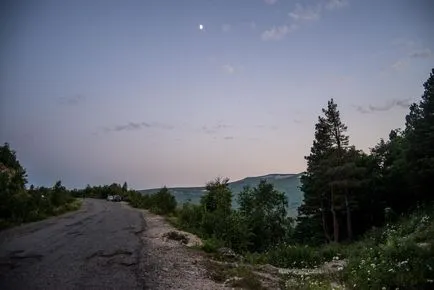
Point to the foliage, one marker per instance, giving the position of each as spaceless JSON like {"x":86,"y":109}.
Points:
{"x":162,"y":202}
{"x":19,"y":205}
{"x":402,"y":256}
{"x":264,"y":211}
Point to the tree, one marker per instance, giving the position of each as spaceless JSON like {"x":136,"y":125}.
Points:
{"x":217,"y":209}
{"x":163,"y":202}
{"x":125,"y":187}
{"x":419,"y":133}
{"x":315,"y":207}
{"x":265,"y":211}
{"x":218,"y":196}
{"x":321,"y":194}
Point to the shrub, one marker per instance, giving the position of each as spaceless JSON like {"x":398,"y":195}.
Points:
{"x":402,"y":265}
{"x":212,"y":245}
{"x":294,"y":256}
{"x":163,"y":202}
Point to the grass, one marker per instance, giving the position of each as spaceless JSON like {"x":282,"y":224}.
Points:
{"x":239,"y":276}
{"x":71,"y":206}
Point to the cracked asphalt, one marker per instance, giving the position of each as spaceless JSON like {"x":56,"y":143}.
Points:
{"x":96,"y":247}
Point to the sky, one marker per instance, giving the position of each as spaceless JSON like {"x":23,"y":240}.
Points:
{"x":176,"y":93}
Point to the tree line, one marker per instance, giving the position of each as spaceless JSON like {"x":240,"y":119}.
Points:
{"x":347,"y":191}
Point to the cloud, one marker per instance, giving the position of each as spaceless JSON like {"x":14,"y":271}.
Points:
{"x":336,"y":4}
{"x":229,"y":138}
{"x":421,"y":53}
{"x":270,"y":2}
{"x":297,"y":121}
{"x":134,"y":126}
{"x":72,"y":100}
{"x":226,"y":27}
{"x":306,"y":13}
{"x":267,"y":127}
{"x":279,"y":32}
{"x":215,"y":129}
{"x":403,"y":103}
{"x":302,"y":14}
{"x":399,"y":65}
{"x":362,"y":110}
{"x":229,"y":69}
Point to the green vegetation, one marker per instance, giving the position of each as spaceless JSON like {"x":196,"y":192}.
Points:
{"x":18,"y":204}
{"x":369,"y":213}
{"x":289,"y":184}
{"x":162,"y":202}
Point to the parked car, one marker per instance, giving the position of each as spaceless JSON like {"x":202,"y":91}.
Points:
{"x":110,"y":198}
{"x":117,"y":198}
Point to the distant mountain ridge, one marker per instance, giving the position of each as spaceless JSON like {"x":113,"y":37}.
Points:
{"x":287,"y":183}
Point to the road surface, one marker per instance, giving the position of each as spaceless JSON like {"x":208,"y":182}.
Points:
{"x":97,"y":247}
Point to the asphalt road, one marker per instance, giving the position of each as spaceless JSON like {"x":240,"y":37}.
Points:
{"x":97,"y":247}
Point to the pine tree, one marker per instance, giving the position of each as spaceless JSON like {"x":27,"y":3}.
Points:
{"x":322,"y":197}
{"x":339,"y":142}
{"x":316,"y":194}
{"x":420,"y":137}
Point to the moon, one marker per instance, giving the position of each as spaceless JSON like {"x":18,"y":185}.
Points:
{"x":201,"y":27}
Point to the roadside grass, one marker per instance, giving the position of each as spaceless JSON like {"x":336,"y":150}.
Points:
{"x":237,"y":276}
{"x":34,"y":216}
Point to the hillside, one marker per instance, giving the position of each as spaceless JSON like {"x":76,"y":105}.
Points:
{"x":287,"y":183}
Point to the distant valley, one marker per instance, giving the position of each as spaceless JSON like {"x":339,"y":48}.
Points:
{"x":287,"y":183}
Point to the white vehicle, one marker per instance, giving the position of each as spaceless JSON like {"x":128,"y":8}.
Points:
{"x":110,"y":198}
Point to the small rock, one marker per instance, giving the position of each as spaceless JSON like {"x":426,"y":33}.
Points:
{"x":227,"y":252}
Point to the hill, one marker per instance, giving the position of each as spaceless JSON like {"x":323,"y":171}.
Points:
{"x":287,"y":183}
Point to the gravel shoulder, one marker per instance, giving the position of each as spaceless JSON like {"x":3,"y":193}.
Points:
{"x":170,"y":264}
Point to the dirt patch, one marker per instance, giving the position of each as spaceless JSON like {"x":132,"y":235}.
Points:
{"x":172,"y":264}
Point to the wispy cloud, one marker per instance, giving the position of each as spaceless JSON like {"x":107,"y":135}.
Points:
{"x":215,"y":128}
{"x":306,"y":13}
{"x":399,"y":65}
{"x":270,"y":2}
{"x":226,"y":27}
{"x":228,"y":68}
{"x":72,"y":100}
{"x":134,"y":126}
{"x":302,"y":14}
{"x":421,"y":53}
{"x":403,"y":103}
{"x":336,"y":4}
{"x":267,"y":127}
{"x":278,"y":32}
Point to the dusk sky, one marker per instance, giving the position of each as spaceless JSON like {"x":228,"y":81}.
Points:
{"x":111,"y":91}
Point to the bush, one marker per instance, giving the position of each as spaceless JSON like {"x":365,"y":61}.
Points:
{"x":212,"y":245}
{"x":402,"y":265}
{"x":162,"y":202}
{"x":190,"y":217}
{"x":294,"y":256}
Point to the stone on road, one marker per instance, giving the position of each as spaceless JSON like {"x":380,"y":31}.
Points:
{"x":97,"y":247}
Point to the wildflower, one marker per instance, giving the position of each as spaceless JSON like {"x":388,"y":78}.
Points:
{"x":430,"y":281}
{"x":390,"y":270}
{"x":373,"y":265}
{"x":355,"y":285}
{"x":383,"y":288}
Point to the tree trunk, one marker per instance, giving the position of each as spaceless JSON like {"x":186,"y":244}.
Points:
{"x":324,"y":224}
{"x":349,"y":224}
{"x":335,"y":219}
